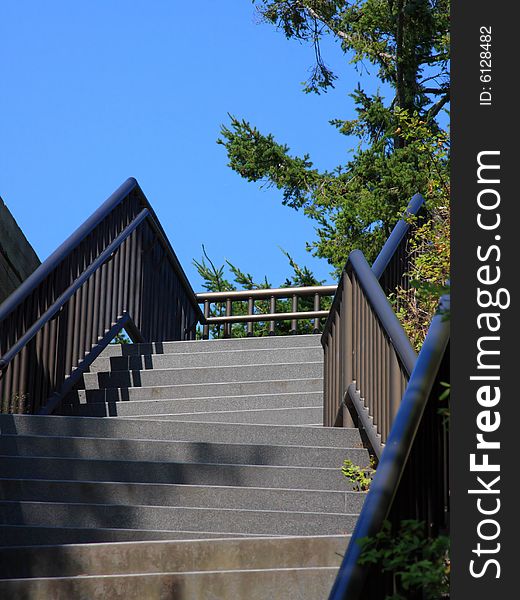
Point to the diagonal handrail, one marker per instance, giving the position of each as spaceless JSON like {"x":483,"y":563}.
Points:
{"x":116,"y":270}
{"x":397,"y":237}
{"x":398,"y":453}
{"x":368,"y":356}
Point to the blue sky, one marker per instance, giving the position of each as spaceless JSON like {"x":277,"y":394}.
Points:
{"x":94,"y":92}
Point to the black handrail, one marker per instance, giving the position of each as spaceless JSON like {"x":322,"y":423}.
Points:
{"x":398,"y":234}
{"x":116,"y":270}
{"x":8,"y":356}
{"x":385,"y":485}
{"x":364,"y":342}
{"x":383,"y":309}
{"x":73,"y":241}
{"x":389,"y":251}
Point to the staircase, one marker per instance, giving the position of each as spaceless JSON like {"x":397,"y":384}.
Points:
{"x":209,"y":457}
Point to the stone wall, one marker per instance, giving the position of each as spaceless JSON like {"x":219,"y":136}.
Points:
{"x":17,"y":257}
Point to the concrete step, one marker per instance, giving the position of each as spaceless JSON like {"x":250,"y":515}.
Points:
{"x":238,"y":373}
{"x":221,"y":358}
{"x":27,"y":535}
{"x":101,"y":516}
{"x":194,"y":405}
{"x":334,"y":437}
{"x":266,"y":476}
{"x":163,"y":494}
{"x":302,"y":415}
{"x":172,"y":556}
{"x":271,"y":342}
{"x":162,"y":451}
{"x":258,"y":584}
{"x":198,"y":390}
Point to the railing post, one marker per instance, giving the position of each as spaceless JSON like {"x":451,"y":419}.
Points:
{"x":348,"y":333}
{"x":316,"y":308}
{"x":272,"y":309}
{"x":250,"y":311}
{"x":395,"y":393}
{"x":294,"y":326}
{"x":205,"y":328}
{"x":227,"y":326}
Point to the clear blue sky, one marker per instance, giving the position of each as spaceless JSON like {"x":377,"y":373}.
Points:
{"x":94,"y":92}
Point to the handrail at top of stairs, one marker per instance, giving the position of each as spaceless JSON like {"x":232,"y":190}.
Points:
{"x":116,"y":270}
{"x":411,"y":480}
{"x":368,"y":355}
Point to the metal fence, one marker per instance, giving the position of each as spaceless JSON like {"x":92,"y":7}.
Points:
{"x":230,"y":302}
{"x":368,"y":356}
{"x":411,"y":481}
{"x":117,"y":270}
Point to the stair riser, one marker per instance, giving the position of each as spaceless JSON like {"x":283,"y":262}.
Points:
{"x":192,"y":405}
{"x":181,"y":452}
{"x":201,"y":375}
{"x":309,"y":584}
{"x":292,"y":416}
{"x":12,"y":535}
{"x":267,"y":356}
{"x":194,"y":474}
{"x":171,"y":557}
{"x":128,"y":494}
{"x":195,"y":390}
{"x":334,"y":437}
{"x":204,"y":390}
{"x":273,"y":342}
{"x":176,"y":518}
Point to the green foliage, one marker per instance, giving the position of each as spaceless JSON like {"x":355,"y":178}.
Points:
{"x":429,"y":246}
{"x":19,"y":403}
{"x":444,"y":398}
{"x":361,"y":477}
{"x":356,"y":204}
{"x":121,"y":338}
{"x":216,"y":280}
{"x":419,"y":563}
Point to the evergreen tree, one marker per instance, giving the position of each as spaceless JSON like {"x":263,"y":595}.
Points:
{"x":216,"y":280}
{"x":355,"y":205}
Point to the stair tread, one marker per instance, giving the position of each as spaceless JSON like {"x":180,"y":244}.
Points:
{"x":215,"y":442}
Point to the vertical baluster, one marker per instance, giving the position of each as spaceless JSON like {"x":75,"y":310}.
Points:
{"x":347,"y":326}
{"x":250,"y":311}
{"x":205,"y":328}
{"x":89,"y":336}
{"x":229,"y":310}
{"x":375,"y":367}
{"x":294,"y":326}
{"x":138,"y":316}
{"x":334,"y":391}
{"x":132,"y":280}
{"x":395,"y":388}
{"x":316,"y":308}
{"x":50,"y":349}
{"x":40,"y":365}
{"x":370,"y":364}
{"x":325,"y":386}
{"x":380,"y":374}
{"x":355,"y":326}
{"x":126,"y":266}
{"x":272,"y":310}
{"x":121,"y":279}
{"x":362,"y":338}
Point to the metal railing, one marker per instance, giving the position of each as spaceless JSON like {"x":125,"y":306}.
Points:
{"x":368,"y":356}
{"x":116,"y":271}
{"x":411,"y":481}
{"x":392,"y":264}
{"x":227,"y":303}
